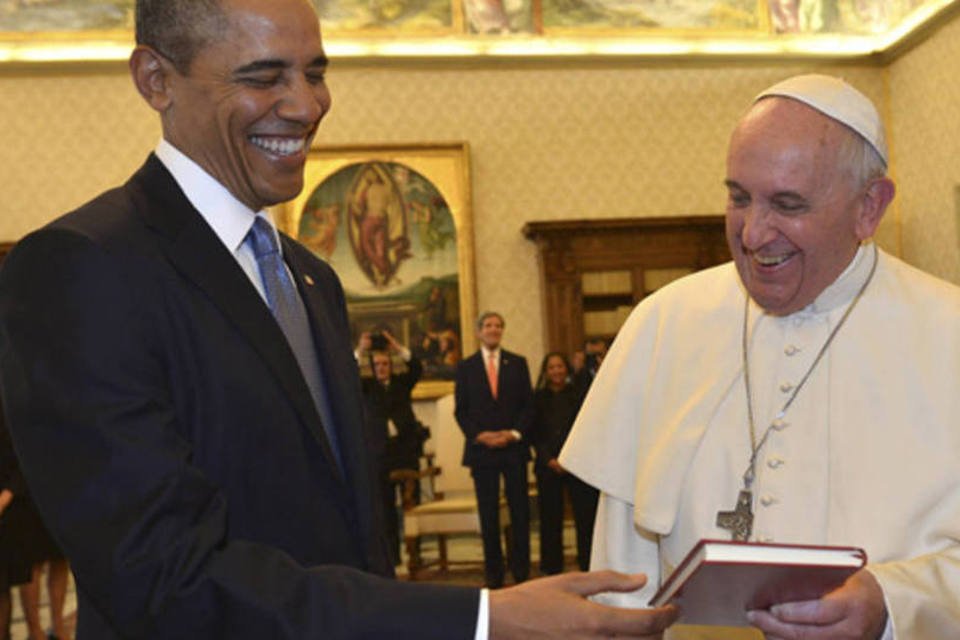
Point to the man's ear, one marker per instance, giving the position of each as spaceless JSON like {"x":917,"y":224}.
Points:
{"x":878,"y":194}
{"x":151,"y":74}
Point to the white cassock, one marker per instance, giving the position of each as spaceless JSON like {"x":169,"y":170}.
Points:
{"x":867,"y":455}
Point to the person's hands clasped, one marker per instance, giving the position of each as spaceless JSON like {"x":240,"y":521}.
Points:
{"x":854,"y":611}
{"x":6,"y":497}
{"x":557,"y":607}
{"x":495,"y":439}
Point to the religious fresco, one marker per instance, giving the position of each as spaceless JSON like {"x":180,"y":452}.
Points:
{"x":651,"y":14}
{"x":839,"y":16}
{"x":499,"y":16}
{"x":389,"y":233}
{"x":505,"y":17}
{"x":26,"y":16}
{"x":394,"y":15}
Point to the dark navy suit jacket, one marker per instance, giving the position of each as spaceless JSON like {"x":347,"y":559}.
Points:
{"x":172,"y":444}
{"x":477,"y":410}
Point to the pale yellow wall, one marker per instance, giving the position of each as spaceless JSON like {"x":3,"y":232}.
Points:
{"x":925,"y":116}
{"x":559,"y":141}
{"x":66,"y":137}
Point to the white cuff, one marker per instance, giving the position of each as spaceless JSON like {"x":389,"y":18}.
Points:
{"x":483,"y":616}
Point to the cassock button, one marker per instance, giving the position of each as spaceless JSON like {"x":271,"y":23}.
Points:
{"x":791,"y":350}
{"x":767,"y":500}
{"x":775,"y":463}
{"x":779,"y":424}
{"x":765,"y":538}
{"x":785,"y":387}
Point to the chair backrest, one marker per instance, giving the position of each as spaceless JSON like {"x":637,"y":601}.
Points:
{"x":448,"y":447}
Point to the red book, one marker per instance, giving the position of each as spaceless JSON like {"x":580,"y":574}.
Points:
{"x":720,"y":580}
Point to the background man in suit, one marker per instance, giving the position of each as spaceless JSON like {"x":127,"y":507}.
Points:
{"x":587,"y":363}
{"x":494,"y":405}
{"x":182,"y":391}
{"x":388,"y":396}
{"x":398,"y":432}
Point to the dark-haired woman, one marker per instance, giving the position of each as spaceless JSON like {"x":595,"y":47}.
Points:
{"x":557,"y":401}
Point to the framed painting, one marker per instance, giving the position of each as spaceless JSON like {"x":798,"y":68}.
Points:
{"x":395,"y":223}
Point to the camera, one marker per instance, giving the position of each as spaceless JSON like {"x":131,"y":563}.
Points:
{"x":378,"y":341}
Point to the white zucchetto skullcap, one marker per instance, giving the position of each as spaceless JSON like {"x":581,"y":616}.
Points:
{"x":835,"y":98}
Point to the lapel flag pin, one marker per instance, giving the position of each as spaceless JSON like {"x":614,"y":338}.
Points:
{"x":308,"y":280}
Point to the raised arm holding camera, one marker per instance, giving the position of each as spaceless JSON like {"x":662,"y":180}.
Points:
{"x":390,"y":413}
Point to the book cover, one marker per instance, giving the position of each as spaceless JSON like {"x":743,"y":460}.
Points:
{"x":720,"y":580}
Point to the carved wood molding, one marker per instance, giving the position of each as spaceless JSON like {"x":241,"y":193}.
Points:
{"x":5,"y":249}
{"x":570,"y":248}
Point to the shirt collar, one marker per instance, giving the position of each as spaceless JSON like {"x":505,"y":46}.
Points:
{"x":229,"y":218}
{"x":838,"y":293}
{"x":488,"y":352}
{"x":846,"y":286}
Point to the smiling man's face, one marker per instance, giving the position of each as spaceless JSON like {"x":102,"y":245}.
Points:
{"x":793,"y":214}
{"x":249,"y":105}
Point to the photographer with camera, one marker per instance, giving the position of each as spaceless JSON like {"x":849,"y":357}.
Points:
{"x":587,"y":362}
{"x":390,"y":415}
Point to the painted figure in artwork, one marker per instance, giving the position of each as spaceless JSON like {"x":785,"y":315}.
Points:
{"x":318,"y":229}
{"x":378,"y":229}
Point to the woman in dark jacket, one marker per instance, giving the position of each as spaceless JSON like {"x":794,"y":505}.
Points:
{"x":15,"y":565}
{"x":557,"y":401}
{"x":25,"y":547}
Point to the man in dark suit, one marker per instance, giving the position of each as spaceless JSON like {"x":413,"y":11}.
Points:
{"x":397,"y":433}
{"x":587,"y":363}
{"x":494,"y":405}
{"x":180,"y":387}
{"x":388,"y":394}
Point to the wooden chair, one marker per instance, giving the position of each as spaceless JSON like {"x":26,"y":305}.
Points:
{"x":451,"y":507}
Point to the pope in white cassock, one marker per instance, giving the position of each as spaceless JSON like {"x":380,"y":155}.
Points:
{"x":815,"y":372}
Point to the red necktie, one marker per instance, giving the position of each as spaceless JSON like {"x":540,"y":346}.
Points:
{"x":492,"y":374}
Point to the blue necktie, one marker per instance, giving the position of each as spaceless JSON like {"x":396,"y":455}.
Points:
{"x":287,"y":307}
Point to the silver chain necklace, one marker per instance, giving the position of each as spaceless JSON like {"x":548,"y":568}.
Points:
{"x":739,"y":521}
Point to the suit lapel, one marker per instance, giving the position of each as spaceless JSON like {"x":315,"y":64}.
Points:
{"x":339,"y":369}
{"x":200,"y":257}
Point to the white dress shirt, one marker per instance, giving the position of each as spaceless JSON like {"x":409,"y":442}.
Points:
{"x":229,"y":218}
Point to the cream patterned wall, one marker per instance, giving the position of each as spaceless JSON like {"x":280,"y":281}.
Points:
{"x":558,"y":141}
{"x":561,"y":143}
{"x":925,"y":109}
{"x":66,"y":137}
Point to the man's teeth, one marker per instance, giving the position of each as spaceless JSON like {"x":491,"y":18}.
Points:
{"x":279,"y":146}
{"x":771,"y":261}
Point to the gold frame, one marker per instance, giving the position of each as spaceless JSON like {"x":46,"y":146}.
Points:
{"x":447,"y":166}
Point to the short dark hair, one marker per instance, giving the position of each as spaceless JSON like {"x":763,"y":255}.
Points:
{"x":542,"y":377}
{"x":489,"y":314}
{"x":178,"y":29}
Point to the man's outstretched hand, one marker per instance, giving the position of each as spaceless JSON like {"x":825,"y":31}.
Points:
{"x":557,"y":607}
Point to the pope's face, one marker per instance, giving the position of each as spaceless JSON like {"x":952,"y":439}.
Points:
{"x":793,"y":216}
{"x":252,"y":99}
{"x":491,"y":332}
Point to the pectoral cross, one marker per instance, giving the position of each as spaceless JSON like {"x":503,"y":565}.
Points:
{"x":739,"y":521}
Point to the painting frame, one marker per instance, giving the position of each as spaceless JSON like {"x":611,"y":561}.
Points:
{"x":446,"y":165}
